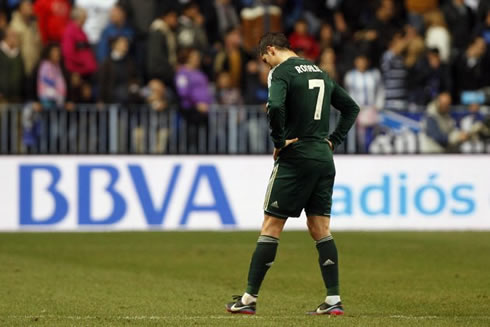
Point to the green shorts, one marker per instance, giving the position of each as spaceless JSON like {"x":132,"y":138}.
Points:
{"x":297,"y":184}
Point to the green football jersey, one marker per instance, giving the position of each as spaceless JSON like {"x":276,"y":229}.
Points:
{"x":300,"y":95}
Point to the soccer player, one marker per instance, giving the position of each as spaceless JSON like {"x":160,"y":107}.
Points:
{"x":300,"y":95}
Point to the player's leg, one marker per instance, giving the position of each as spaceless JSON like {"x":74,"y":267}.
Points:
{"x":319,"y":227}
{"x":318,"y":222}
{"x":262,"y":259}
{"x":265,"y":252}
{"x":281,"y":201}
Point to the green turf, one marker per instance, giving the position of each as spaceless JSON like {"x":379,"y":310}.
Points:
{"x":184,"y":279}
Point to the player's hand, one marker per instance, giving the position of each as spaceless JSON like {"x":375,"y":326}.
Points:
{"x":329,"y":144}
{"x":288,"y":142}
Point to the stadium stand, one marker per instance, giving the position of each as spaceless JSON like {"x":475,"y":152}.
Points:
{"x":108,"y":77}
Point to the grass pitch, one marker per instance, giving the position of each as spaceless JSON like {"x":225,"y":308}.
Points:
{"x":184,"y":279}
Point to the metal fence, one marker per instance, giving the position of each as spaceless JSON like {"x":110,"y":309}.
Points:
{"x":121,"y":129}
{"x":117,"y":129}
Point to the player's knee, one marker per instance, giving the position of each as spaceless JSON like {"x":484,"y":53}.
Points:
{"x":272,"y":227}
{"x":318,"y":229}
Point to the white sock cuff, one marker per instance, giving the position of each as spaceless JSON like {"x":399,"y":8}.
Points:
{"x":248,"y":298}
{"x":332,"y":299}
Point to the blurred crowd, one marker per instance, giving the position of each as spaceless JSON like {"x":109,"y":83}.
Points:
{"x":395,"y":55}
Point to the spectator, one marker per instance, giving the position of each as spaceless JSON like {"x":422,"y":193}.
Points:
{"x":51,"y":84}
{"x":301,"y":40}
{"x":439,"y":128}
{"x":474,"y":125}
{"x":195,"y":97}
{"x":53,"y":16}
{"x":141,"y":14}
{"x":232,"y":59}
{"x":77,"y":53}
{"x":256,"y":94}
{"x":416,"y":9}
{"x":394,"y":73}
{"x":437,"y":34}
{"x":482,"y":10}
{"x":366,"y":87}
{"x":226,"y":93}
{"x":350,"y":15}
{"x":292,"y":10}
{"x":226,"y":18}
{"x":98,"y":13}
{"x":414,"y":52}
{"x":117,"y":26}
{"x":119,"y":81}
{"x":162,"y":47}
{"x":483,"y":29}
{"x":428,"y":77}
{"x":159,"y":96}
{"x":31,"y":126}
{"x":24,"y":23}
{"x":191,"y":32}
{"x":3,"y":23}
{"x":459,"y":18}
{"x":365,"y":84}
{"x":327,"y":62}
{"x":9,"y":6}
{"x":11,"y":68}
{"x":327,"y":37}
{"x":256,"y":91}
{"x":376,"y":36}
{"x":79,"y":91}
{"x":160,"y":99}
{"x":471,"y":69}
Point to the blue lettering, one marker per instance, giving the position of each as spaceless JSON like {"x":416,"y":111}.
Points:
{"x":403,"y":195}
{"x":221,"y":205}
{"x":84,"y":205}
{"x":438,"y":191}
{"x":26,"y":197}
{"x":346,"y":200}
{"x":153,"y":215}
{"x":384,"y":188}
{"x":467,"y":200}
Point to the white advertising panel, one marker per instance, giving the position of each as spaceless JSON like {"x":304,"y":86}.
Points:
{"x":80,"y":193}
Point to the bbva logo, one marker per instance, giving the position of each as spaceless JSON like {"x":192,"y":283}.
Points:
{"x":153,"y":214}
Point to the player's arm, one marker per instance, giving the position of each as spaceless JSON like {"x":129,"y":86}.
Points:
{"x":276,"y":110}
{"x":349,"y":110}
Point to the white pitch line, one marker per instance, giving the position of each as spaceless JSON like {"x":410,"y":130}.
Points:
{"x":414,"y":317}
{"x":228,"y":317}
{"x":130,"y":317}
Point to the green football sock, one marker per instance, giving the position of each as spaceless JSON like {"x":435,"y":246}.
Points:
{"x":329,"y":264}
{"x":262,"y":260}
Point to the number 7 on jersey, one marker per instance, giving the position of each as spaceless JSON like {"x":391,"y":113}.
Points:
{"x":313,"y":83}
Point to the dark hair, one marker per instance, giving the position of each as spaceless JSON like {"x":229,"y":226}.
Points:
{"x":277,"y":40}
{"x":301,"y":20}
{"x":434,"y":51}
{"x":166,"y":9}
{"x":362,"y":54}
{"x":184,"y":54}
{"x":191,"y":4}
{"x":122,"y":8}
{"x":46,"y":52}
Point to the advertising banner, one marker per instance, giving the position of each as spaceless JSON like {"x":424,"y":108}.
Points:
{"x":110,"y":193}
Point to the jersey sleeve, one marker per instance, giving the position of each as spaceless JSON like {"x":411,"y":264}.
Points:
{"x":276,"y":108}
{"x":348,"y":113}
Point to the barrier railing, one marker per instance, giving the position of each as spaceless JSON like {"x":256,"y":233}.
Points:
{"x":127,"y":129}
